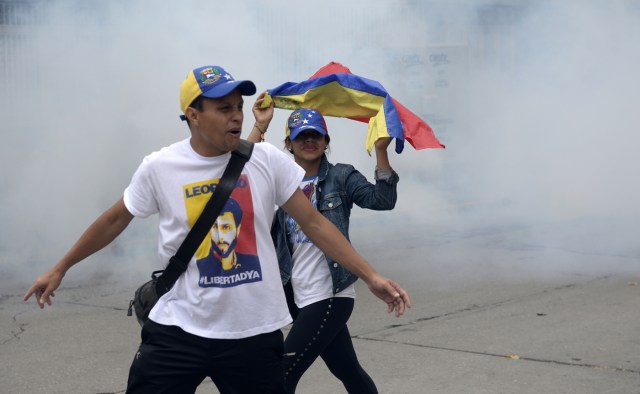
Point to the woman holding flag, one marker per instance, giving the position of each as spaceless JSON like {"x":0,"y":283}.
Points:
{"x":320,"y":292}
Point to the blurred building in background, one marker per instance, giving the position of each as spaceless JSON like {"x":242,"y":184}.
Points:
{"x":434,"y":61}
{"x":425,"y":66}
{"x":426,"y":63}
{"x":17,"y":19}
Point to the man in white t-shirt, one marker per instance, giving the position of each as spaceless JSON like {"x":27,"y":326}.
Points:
{"x":226,"y":327}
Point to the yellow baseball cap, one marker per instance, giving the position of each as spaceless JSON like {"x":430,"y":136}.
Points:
{"x":211,"y":82}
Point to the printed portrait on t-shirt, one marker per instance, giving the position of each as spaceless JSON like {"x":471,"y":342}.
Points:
{"x":227,"y":257}
{"x":296,"y":236}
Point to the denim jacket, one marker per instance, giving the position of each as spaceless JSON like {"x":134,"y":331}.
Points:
{"x":339,"y":187}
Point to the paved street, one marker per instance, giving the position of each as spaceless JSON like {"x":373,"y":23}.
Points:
{"x":564,"y":331}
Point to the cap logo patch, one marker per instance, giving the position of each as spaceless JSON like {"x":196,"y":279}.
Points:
{"x":209,"y":76}
{"x":295,"y":119}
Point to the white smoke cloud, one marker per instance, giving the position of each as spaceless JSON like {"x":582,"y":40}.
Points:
{"x":534,"y":105}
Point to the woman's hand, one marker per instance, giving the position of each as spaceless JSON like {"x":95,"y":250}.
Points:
{"x":263,"y":115}
{"x":382,"y":143}
{"x":382,"y":158}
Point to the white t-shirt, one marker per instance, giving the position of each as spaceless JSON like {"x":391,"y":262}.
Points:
{"x":310,"y":275}
{"x":207,"y":300}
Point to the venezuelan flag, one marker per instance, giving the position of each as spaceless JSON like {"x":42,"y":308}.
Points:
{"x":335,"y":91}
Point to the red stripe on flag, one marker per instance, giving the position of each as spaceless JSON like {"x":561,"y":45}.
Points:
{"x":419,"y":134}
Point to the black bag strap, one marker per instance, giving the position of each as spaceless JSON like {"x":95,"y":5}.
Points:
{"x":179,"y":262}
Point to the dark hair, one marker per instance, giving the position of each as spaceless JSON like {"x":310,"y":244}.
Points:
{"x":234,"y":208}
{"x":196,"y":104}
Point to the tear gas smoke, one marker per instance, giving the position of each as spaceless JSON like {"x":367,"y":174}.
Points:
{"x":532,"y":99}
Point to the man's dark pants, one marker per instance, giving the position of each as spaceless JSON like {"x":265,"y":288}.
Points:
{"x":171,"y":360}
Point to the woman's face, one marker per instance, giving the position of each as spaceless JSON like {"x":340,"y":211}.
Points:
{"x":309,"y":145}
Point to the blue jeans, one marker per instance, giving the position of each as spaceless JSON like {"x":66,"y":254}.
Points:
{"x":171,"y":360}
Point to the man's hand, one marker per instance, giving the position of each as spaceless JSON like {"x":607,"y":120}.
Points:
{"x":44,"y":287}
{"x":391,"y":293}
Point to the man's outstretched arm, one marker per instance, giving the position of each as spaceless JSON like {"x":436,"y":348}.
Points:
{"x":326,"y":236}
{"x":98,"y":235}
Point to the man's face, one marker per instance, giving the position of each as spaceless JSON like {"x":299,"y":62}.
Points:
{"x":216,"y":129}
{"x":224,"y":234}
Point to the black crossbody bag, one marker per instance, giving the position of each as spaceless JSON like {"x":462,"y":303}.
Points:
{"x":147,"y":295}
